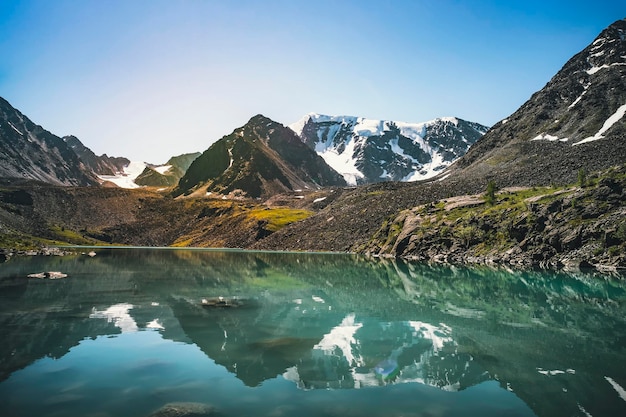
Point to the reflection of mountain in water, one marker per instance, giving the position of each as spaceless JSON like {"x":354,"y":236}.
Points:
{"x":360,"y":353}
{"x":556,"y":340}
{"x":301,"y":340}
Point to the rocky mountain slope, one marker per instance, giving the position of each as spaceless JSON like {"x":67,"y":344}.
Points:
{"x":576,"y":121}
{"x":100,"y":165}
{"x":259,"y":159}
{"x":367,"y":151}
{"x":28,"y":151}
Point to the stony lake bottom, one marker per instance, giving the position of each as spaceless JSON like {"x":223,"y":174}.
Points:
{"x":126,"y":333}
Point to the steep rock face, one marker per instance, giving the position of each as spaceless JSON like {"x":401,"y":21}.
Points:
{"x":260,"y":159}
{"x":100,"y":165}
{"x":576,"y":121}
{"x":27,"y":151}
{"x":368,"y":151}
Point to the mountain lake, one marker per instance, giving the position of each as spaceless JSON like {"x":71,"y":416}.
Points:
{"x":184,"y":332}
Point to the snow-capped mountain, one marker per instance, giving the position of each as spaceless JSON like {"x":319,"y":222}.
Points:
{"x":367,"y":150}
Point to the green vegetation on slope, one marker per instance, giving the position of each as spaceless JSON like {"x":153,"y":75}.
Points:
{"x":544,"y":226}
{"x":278,"y":218}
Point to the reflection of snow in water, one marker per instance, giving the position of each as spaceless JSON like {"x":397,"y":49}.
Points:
{"x":438,"y":335}
{"x":155,"y":324}
{"x":119,"y":315}
{"x":348,"y":356}
{"x":617,"y":387}
{"x":342,"y":338}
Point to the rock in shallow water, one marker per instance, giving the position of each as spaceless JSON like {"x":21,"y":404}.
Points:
{"x":185,"y":409}
{"x":49,"y":275}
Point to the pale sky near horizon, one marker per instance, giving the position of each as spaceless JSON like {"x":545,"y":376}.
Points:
{"x":149,"y":79}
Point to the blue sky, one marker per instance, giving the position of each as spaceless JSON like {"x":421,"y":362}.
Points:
{"x":149,"y":79}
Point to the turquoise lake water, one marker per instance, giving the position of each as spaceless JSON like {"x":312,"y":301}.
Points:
{"x":126,"y":334}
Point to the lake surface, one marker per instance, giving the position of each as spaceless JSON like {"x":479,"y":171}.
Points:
{"x":126,"y":334}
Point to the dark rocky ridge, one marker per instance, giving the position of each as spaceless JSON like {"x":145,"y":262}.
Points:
{"x":30,"y":152}
{"x":100,"y":165}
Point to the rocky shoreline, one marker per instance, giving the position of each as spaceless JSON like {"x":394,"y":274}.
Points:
{"x":575,"y":228}
{"x":8,"y":253}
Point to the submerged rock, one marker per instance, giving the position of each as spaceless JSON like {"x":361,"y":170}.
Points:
{"x":226,"y":302}
{"x":185,"y":409}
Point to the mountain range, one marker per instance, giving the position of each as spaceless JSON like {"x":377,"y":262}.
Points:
{"x":360,"y":150}
{"x":559,"y":161}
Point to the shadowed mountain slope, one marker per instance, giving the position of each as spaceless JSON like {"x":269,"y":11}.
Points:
{"x":27,"y":151}
{"x":260,"y":159}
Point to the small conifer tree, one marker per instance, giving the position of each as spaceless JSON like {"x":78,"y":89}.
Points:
{"x":490,"y":194}
{"x":582,"y":177}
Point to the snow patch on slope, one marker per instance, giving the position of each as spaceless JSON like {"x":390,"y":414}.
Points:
{"x":126,"y":179}
{"x":608,"y":123}
{"x":162,"y":169}
{"x":15,"y":128}
{"x":550,"y":138}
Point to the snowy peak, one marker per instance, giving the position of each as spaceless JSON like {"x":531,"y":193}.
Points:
{"x":366,"y":127}
{"x":368,"y":150}
{"x":608,"y":49}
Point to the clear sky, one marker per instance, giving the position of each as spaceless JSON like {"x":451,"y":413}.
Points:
{"x":149,"y":79}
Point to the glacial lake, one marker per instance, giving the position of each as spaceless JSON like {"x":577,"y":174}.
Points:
{"x":126,"y":334}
